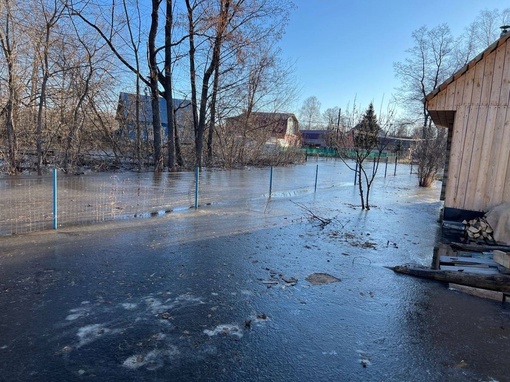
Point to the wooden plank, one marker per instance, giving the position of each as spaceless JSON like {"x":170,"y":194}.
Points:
{"x":465,"y":157}
{"x":506,"y":192}
{"x":440,"y":100}
{"x":471,"y":270}
{"x":432,"y":103}
{"x":450,"y":96}
{"x":478,"y":128}
{"x":453,"y":196}
{"x":480,"y":247}
{"x":465,"y":184}
{"x":482,"y":195}
{"x":478,"y":292}
{"x":466,"y":260}
{"x":500,"y":155}
{"x":447,"y":162}
{"x":497,"y":78}
{"x":496,"y":179}
{"x":482,"y":133}
{"x":497,"y":282}
{"x":455,"y":158}
{"x":459,"y":91}
{"x":480,"y":164}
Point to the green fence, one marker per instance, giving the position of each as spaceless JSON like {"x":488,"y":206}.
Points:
{"x":333,"y":153}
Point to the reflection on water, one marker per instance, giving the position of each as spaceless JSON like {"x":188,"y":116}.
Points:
{"x":27,"y":202}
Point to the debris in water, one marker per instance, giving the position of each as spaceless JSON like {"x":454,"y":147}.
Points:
{"x":321,"y":278}
{"x":364,"y":358}
{"x":225,"y":329}
{"x":291,"y":281}
{"x":90,"y":333}
{"x":165,"y":316}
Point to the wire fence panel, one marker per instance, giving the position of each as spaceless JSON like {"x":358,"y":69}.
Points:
{"x":26,"y":204}
{"x":89,"y":199}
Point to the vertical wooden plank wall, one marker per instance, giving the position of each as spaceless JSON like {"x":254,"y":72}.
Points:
{"x":467,"y":126}
{"x":502,"y":157}
{"x":482,"y":135}
{"x":478,"y":172}
{"x":455,"y":137}
{"x":488,"y":193}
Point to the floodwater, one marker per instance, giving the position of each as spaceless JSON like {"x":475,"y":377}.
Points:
{"x":226,"y":293}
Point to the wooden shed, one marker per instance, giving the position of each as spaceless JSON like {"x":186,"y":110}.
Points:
{"x":473,"y":105}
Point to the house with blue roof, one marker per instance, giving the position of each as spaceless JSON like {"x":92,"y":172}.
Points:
{"x":126,"y":117}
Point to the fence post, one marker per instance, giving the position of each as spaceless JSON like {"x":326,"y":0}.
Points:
{"x":396,"y":161}
{"x":316,"y":175}
{"x":270,"y":181}
{"x":55,"y":199}
{"x":197,"y":176}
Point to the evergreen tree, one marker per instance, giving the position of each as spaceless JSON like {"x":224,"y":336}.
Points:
{"x":367,"y":131}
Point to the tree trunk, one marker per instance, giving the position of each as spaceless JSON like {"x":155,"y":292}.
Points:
{"x":192,"y":69}
{"x":496,"y":282}
{"x":69,"y":157}
{"x":178,"y":152}
{"x":360,"y":184}
{"x":153,"y":81}
{"x":8,"y":49}
{"x":212,"y":121}
{"x":168,"y":85}
{"x":199,"y":118}
{"x":42,"y":100}
{"x":11,"y":131}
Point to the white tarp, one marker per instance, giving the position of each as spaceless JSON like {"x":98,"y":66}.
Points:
{"x":499,"y":219}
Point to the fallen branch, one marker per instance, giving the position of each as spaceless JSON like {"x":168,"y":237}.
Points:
{"x":323,"y":222}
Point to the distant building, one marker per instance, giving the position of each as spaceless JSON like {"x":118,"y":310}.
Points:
{"x":314,"y":138}
{"x":126,"y":116}
{"x":275,"y":129}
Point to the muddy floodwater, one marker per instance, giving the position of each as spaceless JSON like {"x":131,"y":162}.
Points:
{"x":255,"y":289}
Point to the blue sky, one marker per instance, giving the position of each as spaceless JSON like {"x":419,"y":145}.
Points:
{"x":344,"y":50}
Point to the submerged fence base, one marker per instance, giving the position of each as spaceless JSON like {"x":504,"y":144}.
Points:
{"x":48,"y":202}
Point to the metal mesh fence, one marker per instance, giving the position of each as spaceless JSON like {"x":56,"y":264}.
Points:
{"x":89,"y":199}
{"x":22,"y":207}
{"x":26,"y":203}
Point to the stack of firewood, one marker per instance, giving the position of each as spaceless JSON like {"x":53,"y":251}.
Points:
{"x":478,"y":230}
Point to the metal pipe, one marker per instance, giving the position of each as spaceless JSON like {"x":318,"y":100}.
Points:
{"x":55,"y":199}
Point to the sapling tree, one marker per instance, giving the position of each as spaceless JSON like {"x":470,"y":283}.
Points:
{"x":363,"y":144}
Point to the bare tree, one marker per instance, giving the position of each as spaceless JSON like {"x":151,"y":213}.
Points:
{"x":154,"y":84}
{"x":482,"y":32}
{"x":107,"y":30}
{"x":133,"y":25}
{"x":332,"y":117}
{"x":221,"y":21}
{"x":364,"y":144}
{"x":51,"y":15}
{"x":429,"y":63}
{"x":310,"y":113}
{"x":8,"y":46}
